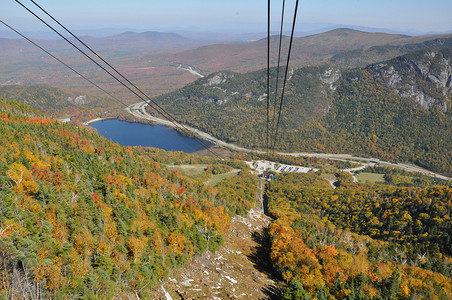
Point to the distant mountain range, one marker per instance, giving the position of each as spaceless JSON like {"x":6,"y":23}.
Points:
{"x":310,"y":50}
{"x":226,"y":35}
{"x":127,"y":42}
{"x":152,"y":59}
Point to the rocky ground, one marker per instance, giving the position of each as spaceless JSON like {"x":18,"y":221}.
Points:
{"x":240,"y":269}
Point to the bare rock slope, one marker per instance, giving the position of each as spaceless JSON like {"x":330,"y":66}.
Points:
{"x":240,"y":269}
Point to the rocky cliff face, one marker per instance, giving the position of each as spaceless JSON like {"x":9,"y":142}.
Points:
{"x":80,"y":100}
{"x":424,"y":76}
{"x":218,"y":78}
{"x":330,"y":76}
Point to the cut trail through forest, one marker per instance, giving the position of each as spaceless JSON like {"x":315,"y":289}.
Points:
{"x":240,"y":269}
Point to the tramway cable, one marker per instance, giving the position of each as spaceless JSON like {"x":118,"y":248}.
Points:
{"x":285,"y":76}
{"x":160,"y":110}
{"x":95,"y":53}
{"x":279,"y":61}
{"x":268,"y":75}
{"x":63,"y":63}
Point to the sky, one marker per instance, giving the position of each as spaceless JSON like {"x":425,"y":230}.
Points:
{"x":238,"y":16}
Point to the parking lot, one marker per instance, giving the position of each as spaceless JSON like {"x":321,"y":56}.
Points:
{"x":260,"y":166}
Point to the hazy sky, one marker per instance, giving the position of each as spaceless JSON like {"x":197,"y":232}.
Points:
{"x":233,"y":15}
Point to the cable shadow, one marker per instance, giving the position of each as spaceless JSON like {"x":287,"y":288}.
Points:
{"x":260,"y":257}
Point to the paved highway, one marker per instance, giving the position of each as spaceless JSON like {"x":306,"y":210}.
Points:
{"x":139,"y":111}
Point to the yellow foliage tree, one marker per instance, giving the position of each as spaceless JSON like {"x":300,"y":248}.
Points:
{"x":177,"y":242}
{"x":23,"y":179}
{"x":137,"y":245}
{"x":50,"y":274}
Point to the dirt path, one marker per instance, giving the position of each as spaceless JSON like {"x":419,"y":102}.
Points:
{"x":240,"y":269}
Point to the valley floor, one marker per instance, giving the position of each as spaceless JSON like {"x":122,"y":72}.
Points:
{"x":139,"y":110}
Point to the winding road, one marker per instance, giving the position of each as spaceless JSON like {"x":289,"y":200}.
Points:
{"x":191,"y":70}
{"x":139,"y":110}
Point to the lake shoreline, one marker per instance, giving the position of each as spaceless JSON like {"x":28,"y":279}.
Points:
{"x":146,"y":122}
{"x":129,"y":133}
{"x":99,"y":119}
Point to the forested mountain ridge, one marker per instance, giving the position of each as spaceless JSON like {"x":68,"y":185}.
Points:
{"x":60,"y":103}
{"x":83,"y":216}
{"x":231,"y":105}
{"x":358,"y":111}
{"x":374,"y":54}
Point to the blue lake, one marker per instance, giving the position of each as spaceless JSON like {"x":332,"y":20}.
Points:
{"x":136,"y":134}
